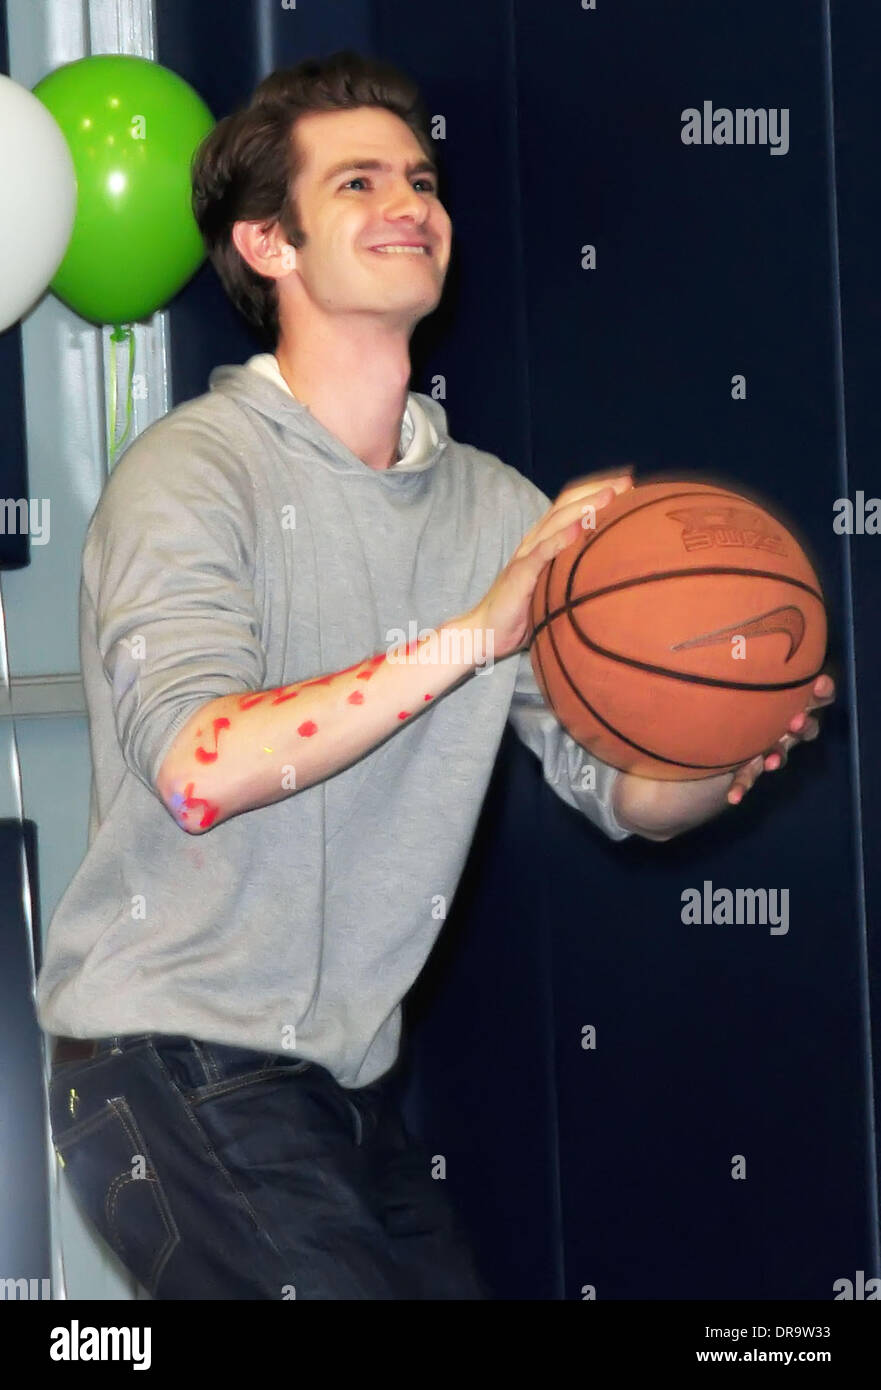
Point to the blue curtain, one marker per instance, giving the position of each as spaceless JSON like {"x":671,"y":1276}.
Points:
{"x":611,"y":1168}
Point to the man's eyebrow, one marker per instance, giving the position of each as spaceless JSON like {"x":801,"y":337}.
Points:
{"x":422,"y":166}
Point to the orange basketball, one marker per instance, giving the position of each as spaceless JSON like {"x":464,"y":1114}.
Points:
{"x":678,"y":638}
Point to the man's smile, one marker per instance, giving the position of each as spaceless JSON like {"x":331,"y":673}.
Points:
{"x":402,"y":248}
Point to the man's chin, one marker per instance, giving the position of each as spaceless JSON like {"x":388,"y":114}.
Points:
{"x":414,"y":307}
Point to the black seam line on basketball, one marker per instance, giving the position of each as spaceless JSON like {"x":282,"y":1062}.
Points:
{"x":671,"y":497}
{"x":538,"y":652}
{"x":673,"y":574}
{"x":604,"y":531}
{"x":687,"y":677}
{"x":571,"y":604}
{"x":685,"y":574}
{"x":658,"y":757}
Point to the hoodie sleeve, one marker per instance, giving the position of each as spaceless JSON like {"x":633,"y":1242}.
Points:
{"x":168,"y":568}
{"x":578,"y":778}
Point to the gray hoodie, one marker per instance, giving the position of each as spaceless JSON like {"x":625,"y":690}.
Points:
{"x":239,"y":545}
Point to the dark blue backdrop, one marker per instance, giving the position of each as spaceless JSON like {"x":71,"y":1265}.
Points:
{"x":611,"y":1167}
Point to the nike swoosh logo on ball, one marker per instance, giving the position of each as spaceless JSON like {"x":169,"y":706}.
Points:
{"x":787,"y":619}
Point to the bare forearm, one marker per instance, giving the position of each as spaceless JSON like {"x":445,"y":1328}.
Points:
{"x":660,"y":810}
{"x":247,"y":750}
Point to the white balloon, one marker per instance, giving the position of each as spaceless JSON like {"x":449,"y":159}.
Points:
{"x":37,"y":199}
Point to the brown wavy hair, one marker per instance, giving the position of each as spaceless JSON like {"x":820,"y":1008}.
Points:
{"x":244,"y":169}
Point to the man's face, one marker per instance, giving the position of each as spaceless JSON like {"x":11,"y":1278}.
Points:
{"x":348,"y":212}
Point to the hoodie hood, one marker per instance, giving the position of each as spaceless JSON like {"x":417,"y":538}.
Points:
{"x":258,"y":385}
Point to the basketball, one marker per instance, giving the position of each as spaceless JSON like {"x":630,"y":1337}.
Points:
{"x":677,"y":638}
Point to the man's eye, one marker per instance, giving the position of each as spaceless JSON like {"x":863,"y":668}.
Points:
{"x":361,"y":179}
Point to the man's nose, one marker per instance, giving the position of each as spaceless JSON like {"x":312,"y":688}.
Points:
{"x":405,"y":201}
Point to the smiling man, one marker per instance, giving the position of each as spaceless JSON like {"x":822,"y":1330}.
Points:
{"x":280,"y":801}
{"x":372,"y":264}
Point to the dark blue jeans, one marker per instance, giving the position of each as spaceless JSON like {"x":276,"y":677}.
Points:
{"x":218,"y":1172}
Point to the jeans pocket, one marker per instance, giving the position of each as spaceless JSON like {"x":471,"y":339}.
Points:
{"x":108,"y":1164}
{"x":222,"y":1069}
{"x":240,"y":1080}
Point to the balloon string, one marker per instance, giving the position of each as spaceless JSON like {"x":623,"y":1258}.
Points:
{"x":119,"y":335}
{"x":111,"y":416}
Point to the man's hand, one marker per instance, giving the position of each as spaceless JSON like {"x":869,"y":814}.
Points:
{"x":659,"y":810}
{"x":803,"y":728}
{"x":504,"y":611}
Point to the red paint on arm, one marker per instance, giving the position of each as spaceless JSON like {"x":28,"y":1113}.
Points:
{"x":206,"y":755}
{"x":319,"y":680}
{"x":191,"y":803}
{"x":373,"y":663}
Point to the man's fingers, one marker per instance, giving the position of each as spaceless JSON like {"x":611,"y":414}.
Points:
{"x":574,"y":493}
{"x":587,"y":480}
{"x":744,"y":779}
{"x":777,"y":757}
{"x":806,"y":734}
{"x":823,"y":692}
{"x":563,"y":536}
{"x":585,"y":487}
{"x":562,"y":517}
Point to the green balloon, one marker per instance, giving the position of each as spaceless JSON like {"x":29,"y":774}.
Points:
{"x":133,"y":127}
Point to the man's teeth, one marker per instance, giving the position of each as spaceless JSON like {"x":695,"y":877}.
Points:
{"x":402,"y":250}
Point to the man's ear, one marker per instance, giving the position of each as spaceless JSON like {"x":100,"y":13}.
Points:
{"x":265,"y":248}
